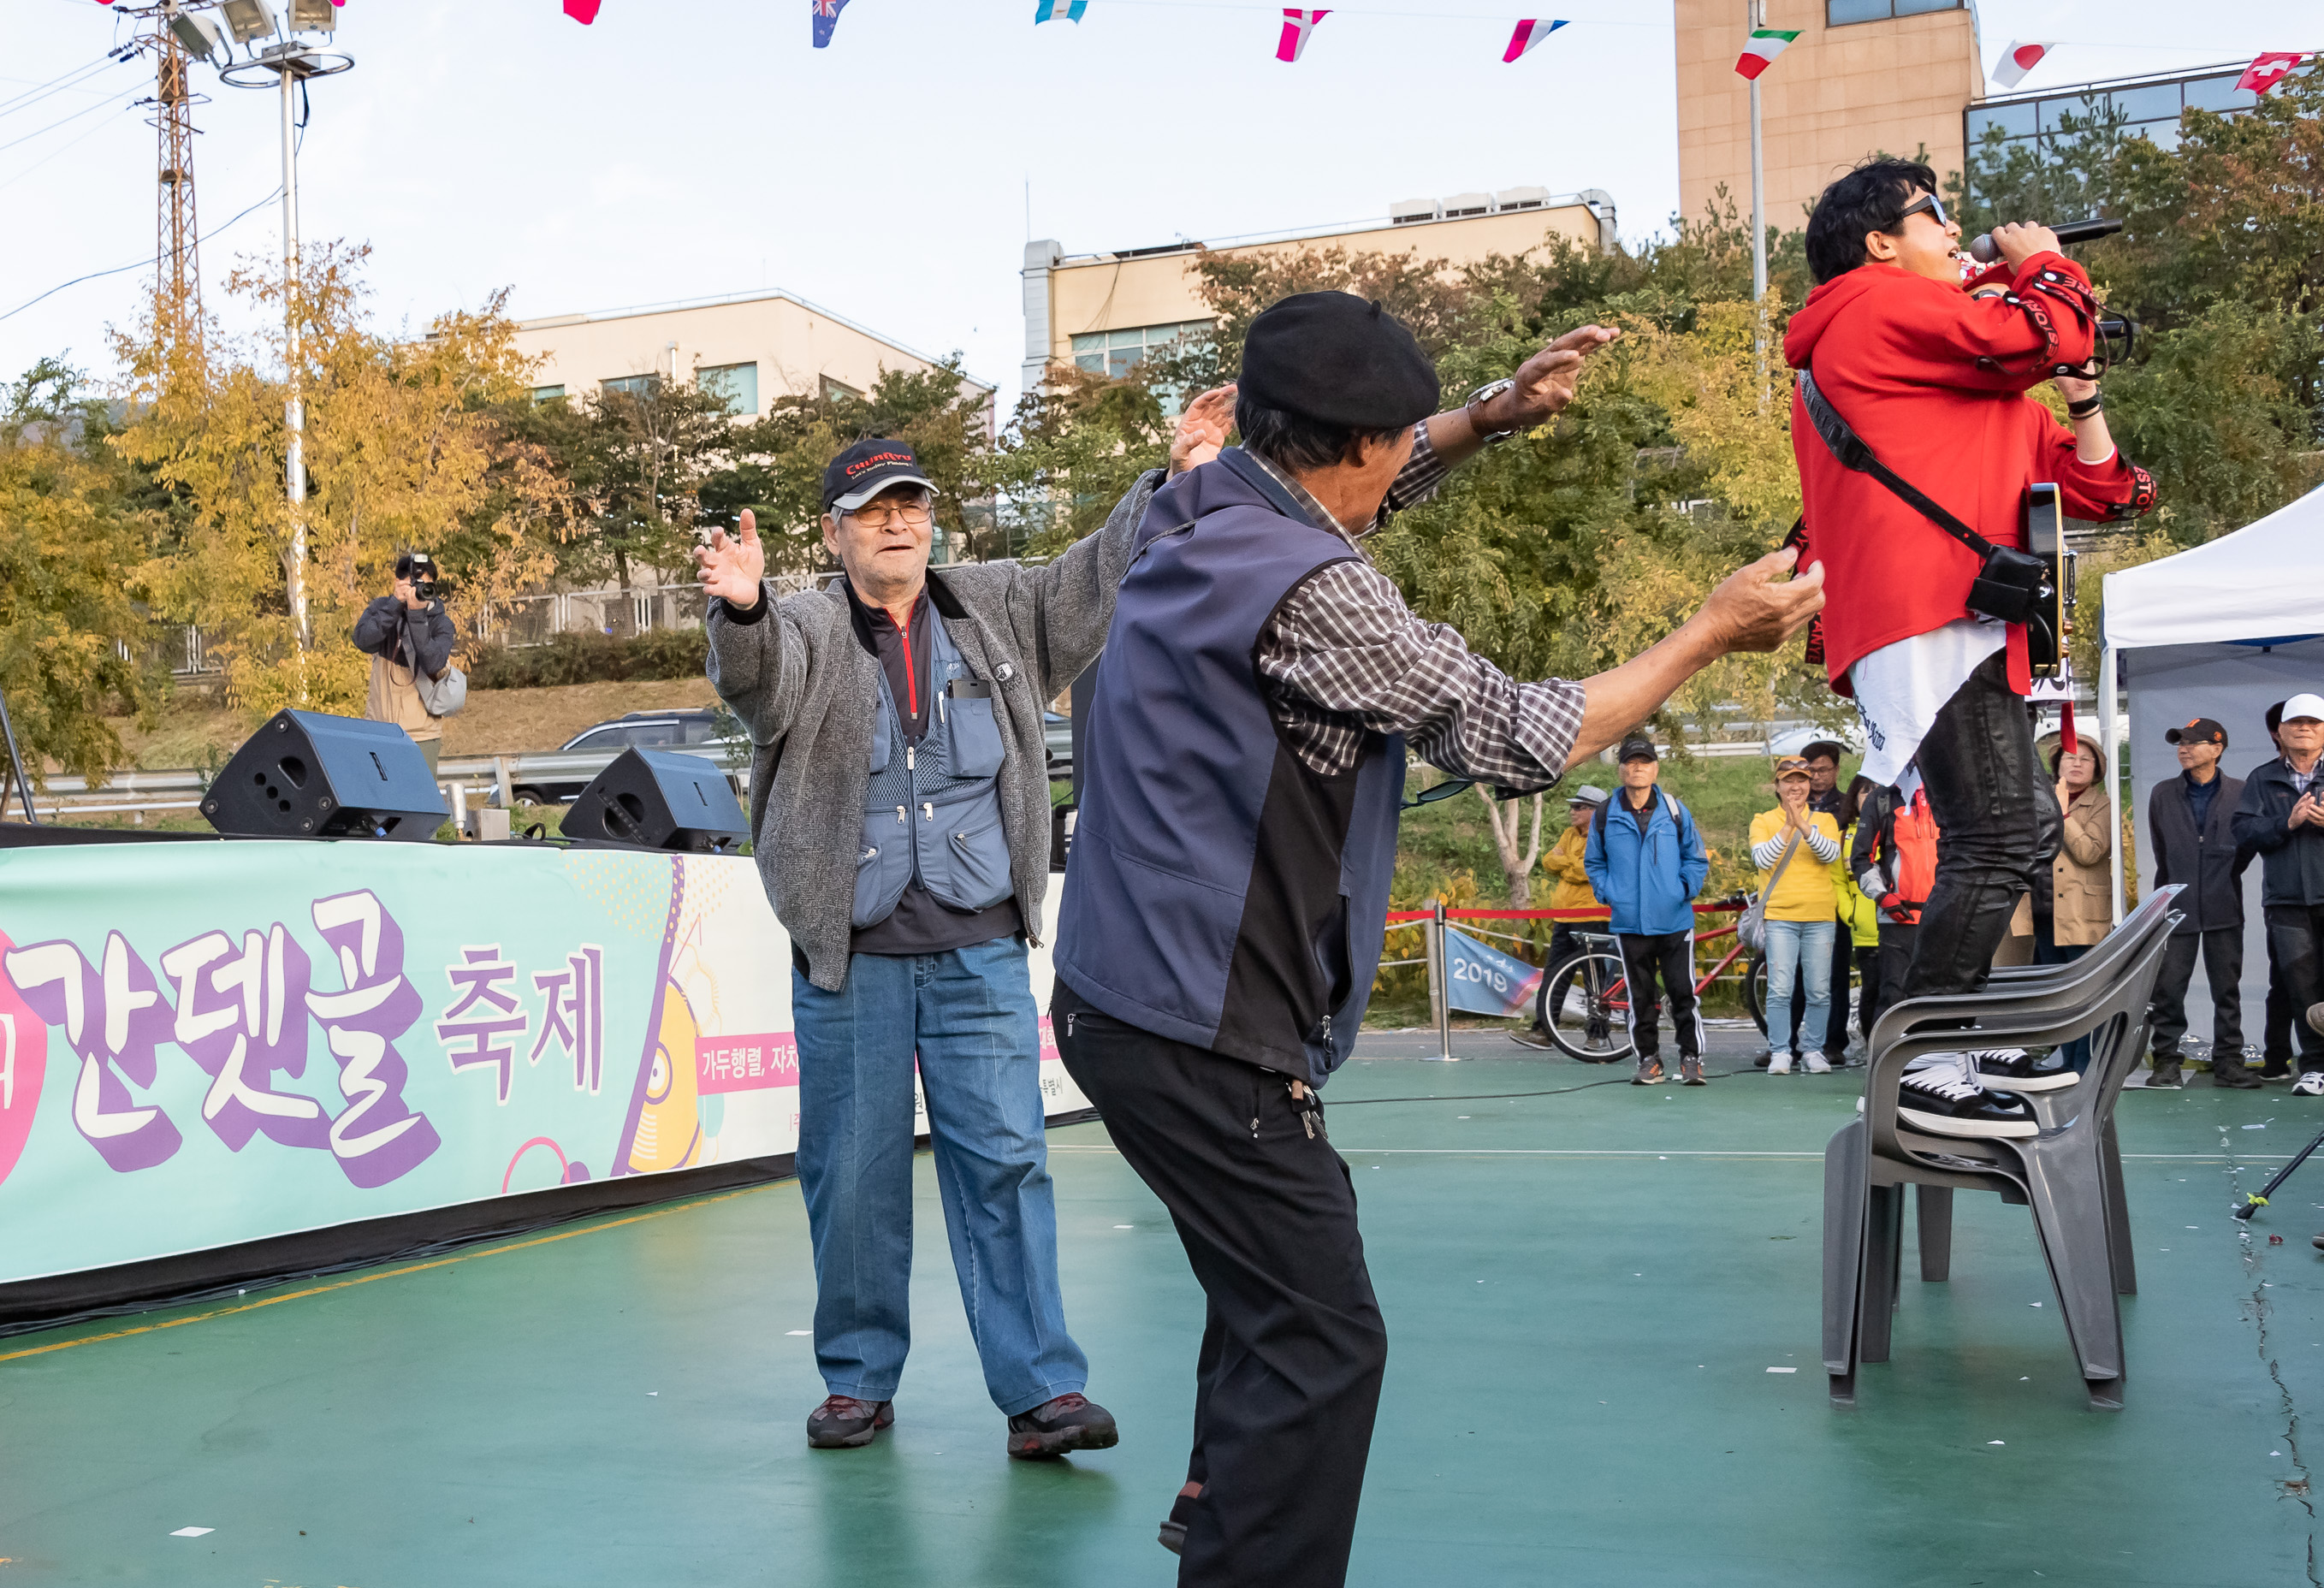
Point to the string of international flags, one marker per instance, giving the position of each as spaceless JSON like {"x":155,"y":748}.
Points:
{"x":2267,"y":70}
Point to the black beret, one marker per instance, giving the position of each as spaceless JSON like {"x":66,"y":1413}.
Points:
{"x":1336,"y":358}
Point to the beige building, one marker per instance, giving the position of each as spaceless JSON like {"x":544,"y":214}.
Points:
{"x":1103,"y":311}
{"x":756,"y":346}
{"x":1863,"y":77}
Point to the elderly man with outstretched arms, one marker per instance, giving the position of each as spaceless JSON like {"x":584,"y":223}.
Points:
{"x":899,"y":802}
{"x":1223,"y":913}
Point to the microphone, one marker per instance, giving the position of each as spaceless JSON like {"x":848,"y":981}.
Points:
{"x":2069,"y":231}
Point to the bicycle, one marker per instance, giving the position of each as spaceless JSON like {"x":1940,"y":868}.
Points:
{"x":1584,"y":999}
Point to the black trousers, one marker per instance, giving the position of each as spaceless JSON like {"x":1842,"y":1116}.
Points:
{"x":1657,"y":965}
{"x":2222,"y":951}
{"x":1288,"y":1376}
{"x":2277,"y":1051}
{"x":2296,"y":933}
{"x":1868,"y":992}
{"x":1835,"y":1030}
{"x":1896,"y":943}
{"x":1996,"y":815}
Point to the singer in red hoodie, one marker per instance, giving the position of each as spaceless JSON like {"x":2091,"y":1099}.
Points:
{"x":1934,"y":376}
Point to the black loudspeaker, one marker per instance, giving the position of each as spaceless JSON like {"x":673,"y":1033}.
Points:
{"x":659,"y":799}
{"x":306,"y":775}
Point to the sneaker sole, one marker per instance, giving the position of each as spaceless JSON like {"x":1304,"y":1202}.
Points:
{"x":1034,"y":1446}
{"x":1174,"y":1537}
{"x":2000,"y":1081}
{"x":1944,"y":1125}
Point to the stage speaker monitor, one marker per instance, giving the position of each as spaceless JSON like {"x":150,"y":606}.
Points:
{"x":659,"y":799}
{"x":306,"y":775}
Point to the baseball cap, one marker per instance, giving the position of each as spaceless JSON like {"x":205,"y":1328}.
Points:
{"x":1636,"y":747}
{"x":2301,"y":705}
{"x":1791,"y":766}
{"x":1587,"y":796}
{"x":2199,"y":730}
{"x":867,"y":468}
{"x":1832,"y":748}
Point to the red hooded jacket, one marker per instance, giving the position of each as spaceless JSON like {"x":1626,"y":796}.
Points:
{"x":1936,"y":382}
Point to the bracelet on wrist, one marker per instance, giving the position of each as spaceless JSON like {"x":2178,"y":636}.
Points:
{"x":2093,"y":403}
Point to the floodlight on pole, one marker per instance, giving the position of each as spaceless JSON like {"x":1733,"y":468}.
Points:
{"x":249,"y":19}
{"x":314,"y":16}
{"x":288,"y":66}
{"x":199,"y":36}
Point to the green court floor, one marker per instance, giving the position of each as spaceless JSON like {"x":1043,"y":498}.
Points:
{"x":1585,"y":1295}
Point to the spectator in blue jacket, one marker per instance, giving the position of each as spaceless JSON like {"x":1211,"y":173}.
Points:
{"x":1645,"y":862}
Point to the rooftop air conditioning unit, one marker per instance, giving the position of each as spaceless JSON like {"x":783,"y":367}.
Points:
{"x":1460,"y":204}
{"x":1521,"y":199}
{"x":1407,"y":212}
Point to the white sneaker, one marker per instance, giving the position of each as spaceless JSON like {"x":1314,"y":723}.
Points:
{"x":1818,"y":1065}
{"x":1781,"y":1065}
{"x":2310,"y":1085}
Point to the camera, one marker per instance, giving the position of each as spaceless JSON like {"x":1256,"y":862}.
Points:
{"x":419,"y":568}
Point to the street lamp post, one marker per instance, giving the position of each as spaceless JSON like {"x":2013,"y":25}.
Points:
{"x":286,"y":67}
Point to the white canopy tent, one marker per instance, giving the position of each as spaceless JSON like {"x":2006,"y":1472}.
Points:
{"x":2222,"y":630}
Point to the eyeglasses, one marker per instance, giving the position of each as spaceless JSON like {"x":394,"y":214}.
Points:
{"x":878,"y":516}
{"x":1926,"y":204}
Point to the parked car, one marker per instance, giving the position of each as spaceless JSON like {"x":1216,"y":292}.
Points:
{"x":1058,"y":729}
{"x":644,"y":730}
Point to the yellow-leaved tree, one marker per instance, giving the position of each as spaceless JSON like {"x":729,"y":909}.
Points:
{"x":408,"y":448}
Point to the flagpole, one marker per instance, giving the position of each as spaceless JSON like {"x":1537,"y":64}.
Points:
{"x":1755,"y":18}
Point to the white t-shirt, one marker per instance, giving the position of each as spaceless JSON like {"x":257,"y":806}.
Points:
{"x":1901,"y":687}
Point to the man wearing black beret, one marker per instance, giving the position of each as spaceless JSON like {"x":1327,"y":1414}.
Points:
{"x":1243,"y":766}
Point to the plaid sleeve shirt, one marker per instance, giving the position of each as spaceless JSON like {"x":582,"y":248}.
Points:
{"x":1343,"y":655}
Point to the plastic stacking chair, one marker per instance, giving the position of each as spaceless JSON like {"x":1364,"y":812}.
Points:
{"x":2068,"y":1173}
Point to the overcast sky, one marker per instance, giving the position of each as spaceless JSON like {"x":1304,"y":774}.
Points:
{"x":676,"y":150}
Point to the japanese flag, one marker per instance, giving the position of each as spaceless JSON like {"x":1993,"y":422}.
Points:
{"x":1529,"y":33}
{"x":1762,"y":47}
{"x":2020,"y":59}
{"x":1297,"y":26}
{"x":2269,"y":67}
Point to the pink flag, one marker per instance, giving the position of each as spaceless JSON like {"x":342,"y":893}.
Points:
{"x":1297,"y":26}
{"x":2269,"y":67}
{"x":584,"y":12}
{"x":1529,"y":33}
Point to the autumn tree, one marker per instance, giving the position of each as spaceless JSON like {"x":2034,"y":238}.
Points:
{"x":75,"y":648}
{"x":404,"y":449}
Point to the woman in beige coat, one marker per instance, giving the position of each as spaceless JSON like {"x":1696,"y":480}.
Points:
{"x":2077,"y":909}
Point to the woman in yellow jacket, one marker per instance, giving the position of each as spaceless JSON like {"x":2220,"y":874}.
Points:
{"x":1563,"y":862}
{"x":1800,"y":910}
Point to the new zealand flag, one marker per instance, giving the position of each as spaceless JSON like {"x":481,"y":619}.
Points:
{"x":826,"y":17}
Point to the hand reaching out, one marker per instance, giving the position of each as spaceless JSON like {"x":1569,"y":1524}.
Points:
{"x":731,"y":569}
{"x":1545,"y":382}
{"x":1203,"y":430}
{"x":1751,"y":609}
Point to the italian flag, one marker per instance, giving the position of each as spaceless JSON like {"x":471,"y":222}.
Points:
{"x":1762,"y":47}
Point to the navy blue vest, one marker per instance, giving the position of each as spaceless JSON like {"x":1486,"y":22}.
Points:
{"x":1221,"y":893}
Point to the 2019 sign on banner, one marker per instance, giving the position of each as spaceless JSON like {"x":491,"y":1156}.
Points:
{"x":203,"y":1044}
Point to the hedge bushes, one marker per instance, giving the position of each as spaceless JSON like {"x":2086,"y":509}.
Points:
{"x":592,"y":659}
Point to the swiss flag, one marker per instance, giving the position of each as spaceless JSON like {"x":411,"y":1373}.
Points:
{"x":2019,"y":59}
{"x":2269,"y":67}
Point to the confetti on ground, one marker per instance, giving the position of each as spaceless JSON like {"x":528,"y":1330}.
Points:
{"x":1783,"y":1369}
{"x":191,"y":1532}
{"x":799,"y":1331}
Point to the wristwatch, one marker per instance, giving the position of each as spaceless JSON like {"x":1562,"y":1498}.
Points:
{"x":1483,"y":394}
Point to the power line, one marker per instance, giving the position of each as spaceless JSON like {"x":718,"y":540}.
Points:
{"x":69,"y":144}
{"x":134,"y":264}
{"x":76,"y":115}
{"x":40,"y":91}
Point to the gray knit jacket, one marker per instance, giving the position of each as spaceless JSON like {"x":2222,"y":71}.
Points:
{"x":808,"y":692}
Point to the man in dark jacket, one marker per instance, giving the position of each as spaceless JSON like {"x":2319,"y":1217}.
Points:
{"x":2192,"y":819}
{"x":2281,"y":817}
{"x":408,"y":637}
{"x":1646,"y":861}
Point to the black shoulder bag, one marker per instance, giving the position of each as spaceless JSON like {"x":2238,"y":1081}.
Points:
{"x":2015,"y":586}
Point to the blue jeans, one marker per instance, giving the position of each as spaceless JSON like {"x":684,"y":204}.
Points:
{"x":968,"y":1015}
{"x":1801,"y":951}
{"x":2047,"y":950}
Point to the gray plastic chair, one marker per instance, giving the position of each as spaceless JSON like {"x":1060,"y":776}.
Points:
{"x":2069,"y":1174}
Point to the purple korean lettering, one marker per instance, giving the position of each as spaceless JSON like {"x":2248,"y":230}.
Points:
{"x":573,"y":1014}
{"x":114,"y":1020}
{"x":242,"y":1016}
{"x":478,"y":982}
{"x":375,"y":1138}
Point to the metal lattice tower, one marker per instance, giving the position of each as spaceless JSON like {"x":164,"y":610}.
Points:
{"x":177,"y":265}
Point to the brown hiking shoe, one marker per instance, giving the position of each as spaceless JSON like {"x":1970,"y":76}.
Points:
{"x":845,"y":1423}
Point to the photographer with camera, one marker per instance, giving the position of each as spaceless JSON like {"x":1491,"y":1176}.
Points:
{"x":1917,"y":440}
{"x":409,"y":638}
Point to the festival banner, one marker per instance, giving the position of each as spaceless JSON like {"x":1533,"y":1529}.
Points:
{"x":203,"y":1044}
{"x":1483,"y":980}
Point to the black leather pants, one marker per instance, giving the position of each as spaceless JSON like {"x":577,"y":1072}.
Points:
{"x":1997,"y":819}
